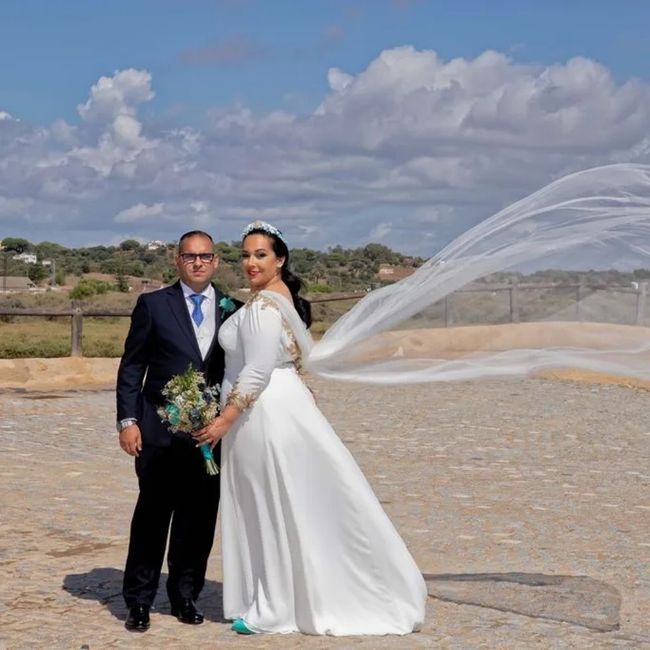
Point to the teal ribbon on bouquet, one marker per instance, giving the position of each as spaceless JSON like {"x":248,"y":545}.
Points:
{"x":174,"y":418}
{"x":173,"y":414}
{"x":210,"y":466}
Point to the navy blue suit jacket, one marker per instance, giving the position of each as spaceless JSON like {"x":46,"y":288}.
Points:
{"x":160,"y":344}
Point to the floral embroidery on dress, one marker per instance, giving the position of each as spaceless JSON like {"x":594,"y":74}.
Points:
{"x":293,"y":348}
{"x":242,"y":402}
{"x":294,"y":351}
{"x":266,"y":301}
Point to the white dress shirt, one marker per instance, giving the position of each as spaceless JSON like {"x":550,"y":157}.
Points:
{"x":205,"y":332}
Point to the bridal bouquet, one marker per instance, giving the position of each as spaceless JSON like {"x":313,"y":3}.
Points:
{"x":191,"y":404}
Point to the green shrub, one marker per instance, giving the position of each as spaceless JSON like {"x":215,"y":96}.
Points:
{"x":88,"y":287}
{"x":103,"y":348}
{"x":122,"y":284}
{"x":20,"y":349}
{"x":318,"y":287}
{"x":11,"y":302}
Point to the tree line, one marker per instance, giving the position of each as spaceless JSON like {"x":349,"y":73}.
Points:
{"x":337,"y":269}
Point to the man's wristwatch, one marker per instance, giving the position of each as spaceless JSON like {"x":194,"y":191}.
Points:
{"x":126,"y":422}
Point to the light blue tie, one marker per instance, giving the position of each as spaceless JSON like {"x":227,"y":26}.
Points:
{"x":197,"y":312}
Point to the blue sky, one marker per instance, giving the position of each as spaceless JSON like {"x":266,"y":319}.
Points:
{"x":275,"y":53}
{"x":235,"y":89}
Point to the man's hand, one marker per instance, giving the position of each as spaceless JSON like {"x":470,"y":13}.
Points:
{"x":131,"y":440}
{"x":212,"y":433}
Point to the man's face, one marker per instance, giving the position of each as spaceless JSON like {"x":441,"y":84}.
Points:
{"x":194,"y":271}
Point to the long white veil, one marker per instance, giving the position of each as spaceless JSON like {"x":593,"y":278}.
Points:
{"x":590,"y":227}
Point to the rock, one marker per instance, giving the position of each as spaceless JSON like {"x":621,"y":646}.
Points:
{"x":573,"y":599}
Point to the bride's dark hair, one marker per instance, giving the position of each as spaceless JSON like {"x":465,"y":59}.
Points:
{"x":295,"y":284}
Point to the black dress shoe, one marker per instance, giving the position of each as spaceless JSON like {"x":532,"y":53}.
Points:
{"x":138,"y":618}
{"x":185,"y":611}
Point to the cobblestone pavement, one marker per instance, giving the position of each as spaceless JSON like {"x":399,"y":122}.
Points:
{"x":483,"y":480}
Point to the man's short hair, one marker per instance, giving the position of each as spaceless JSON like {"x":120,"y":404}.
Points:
{"x":193,"y":233}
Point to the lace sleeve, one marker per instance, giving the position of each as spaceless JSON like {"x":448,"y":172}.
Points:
{"x":260,"y":335}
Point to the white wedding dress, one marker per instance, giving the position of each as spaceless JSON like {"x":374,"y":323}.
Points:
{"x":306,"y":545}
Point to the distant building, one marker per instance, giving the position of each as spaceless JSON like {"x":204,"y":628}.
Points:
{"x":156,"y":244}
{"x":12,"y":283}
{"x":28,"y":258}
{"x":391,"y":273}
{"x":143,"y":285}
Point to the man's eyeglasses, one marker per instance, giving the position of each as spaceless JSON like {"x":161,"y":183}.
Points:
{"x":188,"y":258}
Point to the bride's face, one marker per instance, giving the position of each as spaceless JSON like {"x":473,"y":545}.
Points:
{"x":259,"y":262}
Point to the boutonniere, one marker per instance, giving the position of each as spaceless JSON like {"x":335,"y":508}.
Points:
{"x":227,"y":306}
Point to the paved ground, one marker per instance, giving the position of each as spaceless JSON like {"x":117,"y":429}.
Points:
{"x":527,"y":504}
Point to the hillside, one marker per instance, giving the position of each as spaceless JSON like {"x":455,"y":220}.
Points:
{"x":337,"y":269}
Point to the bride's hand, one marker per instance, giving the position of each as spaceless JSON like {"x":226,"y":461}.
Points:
{"x":213,"y":432}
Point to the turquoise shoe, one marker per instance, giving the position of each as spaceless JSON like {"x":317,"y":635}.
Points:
{"x":240,"y":627}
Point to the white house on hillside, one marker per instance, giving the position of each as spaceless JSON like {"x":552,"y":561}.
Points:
{"x":28,"y":258}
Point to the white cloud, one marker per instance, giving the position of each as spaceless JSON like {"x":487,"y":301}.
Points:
{"x":199,"y":206}
{"x":63,"y":133}
{"x":381,"y":231}
{"x":117,"y":95}
{"x":338,"y":80}
{"x":112,"y":131}
{"x":411,"y":150}
{"x":139,"y":212}
{"x":9,"y":207}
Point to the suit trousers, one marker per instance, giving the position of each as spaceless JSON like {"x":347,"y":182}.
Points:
{"x":174,"y":489}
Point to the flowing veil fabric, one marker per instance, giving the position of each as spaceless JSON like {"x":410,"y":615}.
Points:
{"x":594,"y":220}
{"x":306,"y":544}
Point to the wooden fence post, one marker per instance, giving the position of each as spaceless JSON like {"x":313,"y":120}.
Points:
{"x":578,"y":299}
{"x":514,"y":304}
{"x":76,"y":349}
{"x":447,"y":312}
{"x":640,"y":302}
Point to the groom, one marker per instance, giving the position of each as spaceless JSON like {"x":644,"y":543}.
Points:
{"x":170,"y":329}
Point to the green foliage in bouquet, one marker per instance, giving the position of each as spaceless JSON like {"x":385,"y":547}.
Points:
{"x":191,"y":405}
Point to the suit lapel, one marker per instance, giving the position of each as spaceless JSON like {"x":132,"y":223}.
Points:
{"x":178,"y":308}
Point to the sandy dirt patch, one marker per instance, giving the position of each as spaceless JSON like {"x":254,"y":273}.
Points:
{"x":446,"y":343}
{"x":454,"y":342}
{"x":65,"y":373}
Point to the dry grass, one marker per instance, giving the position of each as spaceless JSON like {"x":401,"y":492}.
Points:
{"x":589,"y":377}
{"x":46,"y":337}
{"x":43,"y":338}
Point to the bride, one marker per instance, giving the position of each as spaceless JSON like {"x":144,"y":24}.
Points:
{"x":306,"y":545}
